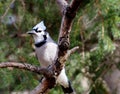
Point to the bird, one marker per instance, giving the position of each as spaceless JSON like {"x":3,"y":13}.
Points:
{"x":46,"y":50}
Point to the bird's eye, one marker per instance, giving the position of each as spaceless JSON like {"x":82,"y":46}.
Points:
{"x":38,"y":31}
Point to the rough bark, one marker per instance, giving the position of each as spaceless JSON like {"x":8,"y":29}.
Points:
{"x":52,"y":72}
{"x":28,"y":67}
{"x":69,"y":13}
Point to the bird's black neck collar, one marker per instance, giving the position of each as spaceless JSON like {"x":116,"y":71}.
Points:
{"x":39,"y":44}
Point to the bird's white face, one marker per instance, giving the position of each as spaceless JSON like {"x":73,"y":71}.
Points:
{"x":38,"y":32}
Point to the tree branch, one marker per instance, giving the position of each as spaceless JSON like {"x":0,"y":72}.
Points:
{"x":63,"y":42}
{"x":53,"y":71}
{"x":62,"y":4}
{"x":41,"y":88}
{"x":28,"y":67}
{"x":71,"y":51}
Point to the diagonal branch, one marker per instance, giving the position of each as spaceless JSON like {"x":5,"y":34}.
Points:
{"x":69,"y":13}
{"x":53,"y":71}
{"x":8,"y":8}
{"x":71,"y":51}
{"x":62,"y":4}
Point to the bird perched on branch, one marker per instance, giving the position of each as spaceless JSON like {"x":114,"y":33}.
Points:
{"x":46,"y":52}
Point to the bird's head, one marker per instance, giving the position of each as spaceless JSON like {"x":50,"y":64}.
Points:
{"x":39,"y":32}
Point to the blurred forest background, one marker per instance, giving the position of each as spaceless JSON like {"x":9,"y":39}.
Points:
{"x":94,"y":69}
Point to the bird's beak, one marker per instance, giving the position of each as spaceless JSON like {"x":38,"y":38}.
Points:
{"x":31,"y":32}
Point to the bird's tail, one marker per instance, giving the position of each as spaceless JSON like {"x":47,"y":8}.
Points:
{"x":69,"y":89}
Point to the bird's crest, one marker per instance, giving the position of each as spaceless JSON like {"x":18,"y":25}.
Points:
{"x":40,"y":26}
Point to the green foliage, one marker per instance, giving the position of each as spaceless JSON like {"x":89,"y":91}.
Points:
{"x":15,"y":45}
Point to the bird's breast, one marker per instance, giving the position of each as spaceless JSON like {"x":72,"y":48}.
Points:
{"x":46,"y":54}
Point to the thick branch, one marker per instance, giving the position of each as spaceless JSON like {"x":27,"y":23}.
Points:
{"x":43,"y":87}
{"x":69,"y":12}
{"x":28,"y":67}
{"x":52,"y":72}
{"x":62,"y":4}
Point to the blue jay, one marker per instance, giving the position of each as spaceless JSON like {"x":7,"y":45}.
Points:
{"x":46,"y":51}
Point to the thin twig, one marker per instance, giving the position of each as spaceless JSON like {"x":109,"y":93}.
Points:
{"x":2,"y":17}
{"x":71,"y":51}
